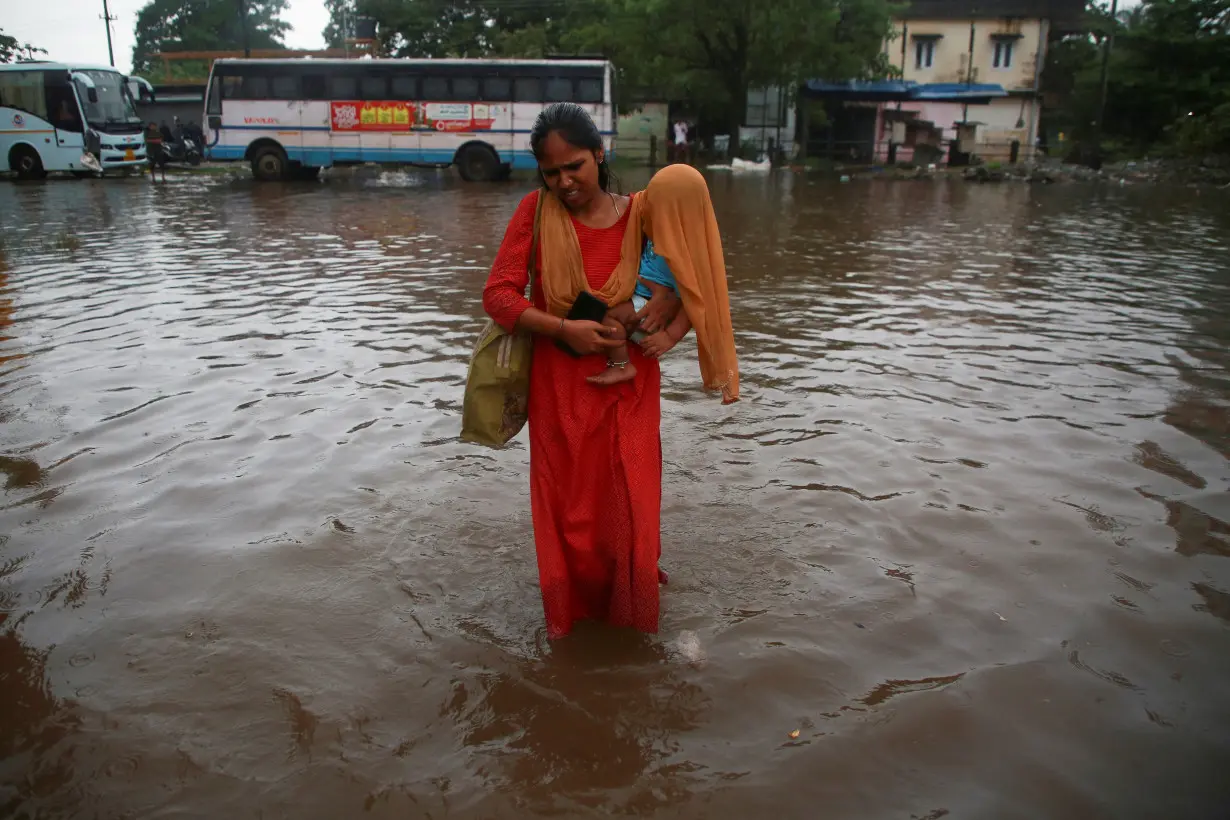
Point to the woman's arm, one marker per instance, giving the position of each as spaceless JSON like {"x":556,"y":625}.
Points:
{"x":504,"y":295}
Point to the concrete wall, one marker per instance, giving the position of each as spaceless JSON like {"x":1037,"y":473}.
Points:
{"x":634,"y":129}
{"x":159,"y":111}
{"x":951,"y":56}
{"x":999,"y":128}
{"x":950,"y":63}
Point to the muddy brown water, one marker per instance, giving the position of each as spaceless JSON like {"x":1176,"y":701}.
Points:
{"x":968,"y":533}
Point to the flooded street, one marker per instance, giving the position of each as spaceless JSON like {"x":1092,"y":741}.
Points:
{"x":968,"y":532}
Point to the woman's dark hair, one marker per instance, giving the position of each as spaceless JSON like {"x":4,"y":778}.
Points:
{"x":573,"y":124}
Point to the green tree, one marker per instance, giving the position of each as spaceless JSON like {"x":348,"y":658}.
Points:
{"x":12,"y":50}
{"x":708,"y":52}
{"x":445,"y":28}
{"x":1168,"y":77}
{"x":205,"y":25}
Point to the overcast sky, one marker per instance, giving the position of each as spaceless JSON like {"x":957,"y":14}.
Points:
{"x":73,"y":29}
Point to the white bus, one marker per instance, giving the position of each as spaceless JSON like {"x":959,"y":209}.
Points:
{"x":290,"y":118}
{"x":63,"y":117}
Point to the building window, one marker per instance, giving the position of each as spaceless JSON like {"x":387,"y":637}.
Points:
{"x":1003,"y":54}
{"x":924,"y":53}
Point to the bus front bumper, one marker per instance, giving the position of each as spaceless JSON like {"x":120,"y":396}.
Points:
{"x":123,"y":159}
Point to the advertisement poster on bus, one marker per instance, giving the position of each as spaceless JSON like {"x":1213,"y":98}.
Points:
{"x":372,"y":116}
{"x":358,"y":116}
{"x":461,"y":116}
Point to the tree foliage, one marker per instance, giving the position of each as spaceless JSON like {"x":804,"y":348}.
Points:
{"x":1168,"y":77}
{"x":706,"y":52}
{"x":205,"y":25}
{"x":12,"y":50}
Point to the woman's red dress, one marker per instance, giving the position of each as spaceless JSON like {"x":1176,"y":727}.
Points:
{"x":595,"y":453}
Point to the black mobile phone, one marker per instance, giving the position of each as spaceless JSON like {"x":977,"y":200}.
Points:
{"x":587,"y":307}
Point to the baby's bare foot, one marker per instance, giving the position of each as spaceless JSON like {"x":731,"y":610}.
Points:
{"x":614,"y":375}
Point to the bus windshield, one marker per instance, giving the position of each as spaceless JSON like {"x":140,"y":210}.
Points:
{"x":114,"y":112}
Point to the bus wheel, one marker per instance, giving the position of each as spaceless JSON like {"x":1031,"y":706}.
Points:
{"x":478,"y":163}
{"x":269,"y":163}
{"x":26,"y":162}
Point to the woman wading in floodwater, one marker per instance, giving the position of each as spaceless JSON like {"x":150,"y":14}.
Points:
{"x":595,"y":451}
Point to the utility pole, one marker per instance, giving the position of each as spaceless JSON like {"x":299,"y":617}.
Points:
{"x":969,"y":68}
{"x":243,"y":27}
{"x":346,"y":30}
{"x":1107,"y":42}
{"x":107,"y":18}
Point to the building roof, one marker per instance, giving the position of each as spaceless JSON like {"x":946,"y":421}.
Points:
{"x":1063,"y":12}
{"x":903,"y":90}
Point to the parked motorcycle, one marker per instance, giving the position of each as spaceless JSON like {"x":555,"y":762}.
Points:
{"x":184,"y":150}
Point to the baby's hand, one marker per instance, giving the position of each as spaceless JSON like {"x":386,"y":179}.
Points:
{"x":657,"y":344}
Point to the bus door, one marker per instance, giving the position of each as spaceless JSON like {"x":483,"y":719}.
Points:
{"x":315,"y":121}
{"x":286,"y":103}
{"x":64,"y":114}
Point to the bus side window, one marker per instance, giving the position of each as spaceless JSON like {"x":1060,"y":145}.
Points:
{"x":286,"y":87}
{"x":374,"y":87}
{"x":559,"y":89}
{"x":24,"y":90}
{"x":314,"y":87}
{"x":497,"y":89}
{"x":589,"y":90}
{"x":465,"y":89}
{"x":405,"y":88}
{"x":527,"y":89}
{"x":435,"y":89}
{"x":232,"y":88}
{"x":255,"y":87}
{"x":343,"y":87}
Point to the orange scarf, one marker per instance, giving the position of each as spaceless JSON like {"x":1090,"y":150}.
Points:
{"x":563,"y":270}
{"x":679,"y":219}
{"x":677,"y":214}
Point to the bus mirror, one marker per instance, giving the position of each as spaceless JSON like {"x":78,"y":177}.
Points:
{"x":140,"y":88}
{"x":215,"y":123}
{"x":92,"y":93}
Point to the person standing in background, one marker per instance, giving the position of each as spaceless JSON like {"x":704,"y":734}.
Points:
{"x":681,"y":140}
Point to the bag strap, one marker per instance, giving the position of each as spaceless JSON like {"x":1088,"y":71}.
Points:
{"x":532,"y":264}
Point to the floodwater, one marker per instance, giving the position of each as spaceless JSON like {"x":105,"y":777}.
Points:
{"x":968,"y":533}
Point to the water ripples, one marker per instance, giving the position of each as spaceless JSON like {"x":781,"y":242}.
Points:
{"x":970,"y":522}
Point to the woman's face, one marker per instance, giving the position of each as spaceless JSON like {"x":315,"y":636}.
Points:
{"x":571,"y":173}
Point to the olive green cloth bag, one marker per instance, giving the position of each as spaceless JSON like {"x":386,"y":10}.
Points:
{"x":497,"y":396}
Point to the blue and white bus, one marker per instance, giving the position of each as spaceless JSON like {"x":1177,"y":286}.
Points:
{"x":64,"y":117}
{"x":290,"y":118}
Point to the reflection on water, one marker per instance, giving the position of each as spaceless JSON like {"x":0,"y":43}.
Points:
{"x":970,"y":525}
